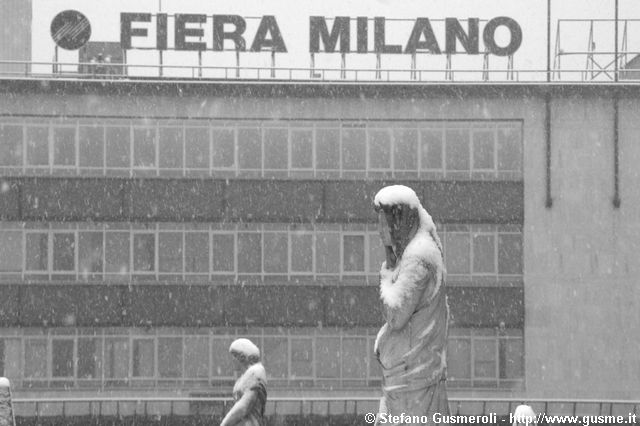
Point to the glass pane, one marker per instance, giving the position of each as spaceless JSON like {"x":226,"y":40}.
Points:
{"x":90,"y":253}
{"x":223,"y":148}
{"x":91,"y":146}
{"x":10,"y":251}
{"x":170,"y":357}
{"x":513,"y":359}
{"x":170,"y":147}
{"x":249,"y":252}
{"x":116,"y":358}
{"x":144,"y":252}
{"x":196,"y":256}
{"x":484,"y":352}
{"x":301,"y":358}
{"x":301,"y":149}
{"x":509,"y":149}
{"x":459,"y":359}
{"x":62,"y":358}
{"x":10,"y":145}
{"x":354,"y":149}
{"x":64,"y":146}
{"x":222,"y":364}
{"x":143,"y":358}
{"x":458,"y":253}
{"x":276,"y":357}
{"x":63,"y":252}
{"x":37,"y":146}
{"x":354,"y":358}
{"x":223,"y":253}
{"x":170,"y":252}
{"x":431,"y":149}
{"x":457,"y":151}
{"x":249,"y":149}
{"x":484,"y":254}
{"x":510,"y":254}
{"x":196,"y":148}
{"x":379,"y":149}
{"x":276,"y":149}
{"x":35,"y":359}
{"x":329,"y":359}
{"x":376,"y":253}
{"x":12,"y":361}
{"x":353,"y":254}
{"x":89,"y":358}
{"x":144,"y":147}
{"x":276,"y":252}
{"x":196,"y":357}
{"x":37,"y":249}
{"x":405,"y":149}
{"x":328,"y":149}
{"x":117,"y":252}
{"x":483,"y":146}
{"x":301,"y":252}
{"x":118,"y":147}
{"x":327,"y":253}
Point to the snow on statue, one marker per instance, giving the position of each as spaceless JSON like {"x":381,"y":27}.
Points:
{"x":411,"y":345}
{"x":250,"y":390}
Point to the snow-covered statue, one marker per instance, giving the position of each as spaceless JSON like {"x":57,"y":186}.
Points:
{"x":411,"y":345}
{"x":250,"y":390}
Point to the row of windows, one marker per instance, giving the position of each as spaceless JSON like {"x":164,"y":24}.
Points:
{"x":101,"y":358}
{"x":177,"y":251}
{"x":478,"y":150}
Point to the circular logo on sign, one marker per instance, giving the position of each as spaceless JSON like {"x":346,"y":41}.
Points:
{"x":70,"y":29}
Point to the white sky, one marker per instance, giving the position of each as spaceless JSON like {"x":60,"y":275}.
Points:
{"x":293,"y":20}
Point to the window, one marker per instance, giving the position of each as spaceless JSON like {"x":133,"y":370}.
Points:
{"x":35,"y":359}
{"x":484,"y":351}
{"x":354,"y":149}
{"x":483,"y":149}
{"x":431,"y":149}
{"x":116,"y":359}
{"x":249,"y":252}
{"x":276,"y":149}
{"x":196,"y":357}
{"x":10,"y":251}
{"x":89,"y":358}
{"x":90,"y":253}
{"x":170,"y":147}
{"x":64,"y":146}
{"x":328,"y":149}
{"x":63,"y":252}
{"x":118,"y":147}
{"x":457,"y":149}
{"x":11,"y":357}
{"x":301,"y":357}
{"x":144,"y":147}
{"x":276,"y":252}
{"x":37,"y":248}
{"x":221,"y":362}
{"x":327,"y":253}
{"x":459,"y":359}
{"x":143,"y":358}
{"x":249,"y":149}
{"x":223,"y":253}
{"x":376,"y":253}
{"x":379,"y":149}
{"x":37,"y":146}
{"x":170,"y":252}
{"x":170,"y":357}
{"x":457,"y":253}
{"x":62,"y":358}
{"x":484,"y":254}
{"x":117,"y":252}
{"x":512,"y":358}
{"x":91,"y":146}
{"x":144,"y":259}
{"x":509,"y":149}
{"x":301,"y":252}
{"x":196,"y":148}
{"x":405,"y":149}
{"x":196,"y":257}
{"x":510,"y":254}
{"x":329,"y":357}
{"x":354,"y":357}
{"x":276,"y":357}
{"x":353,"y":253}
{"x":301,"y":148}
{"x":224,"y":148}
{"x":10,"y":145}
